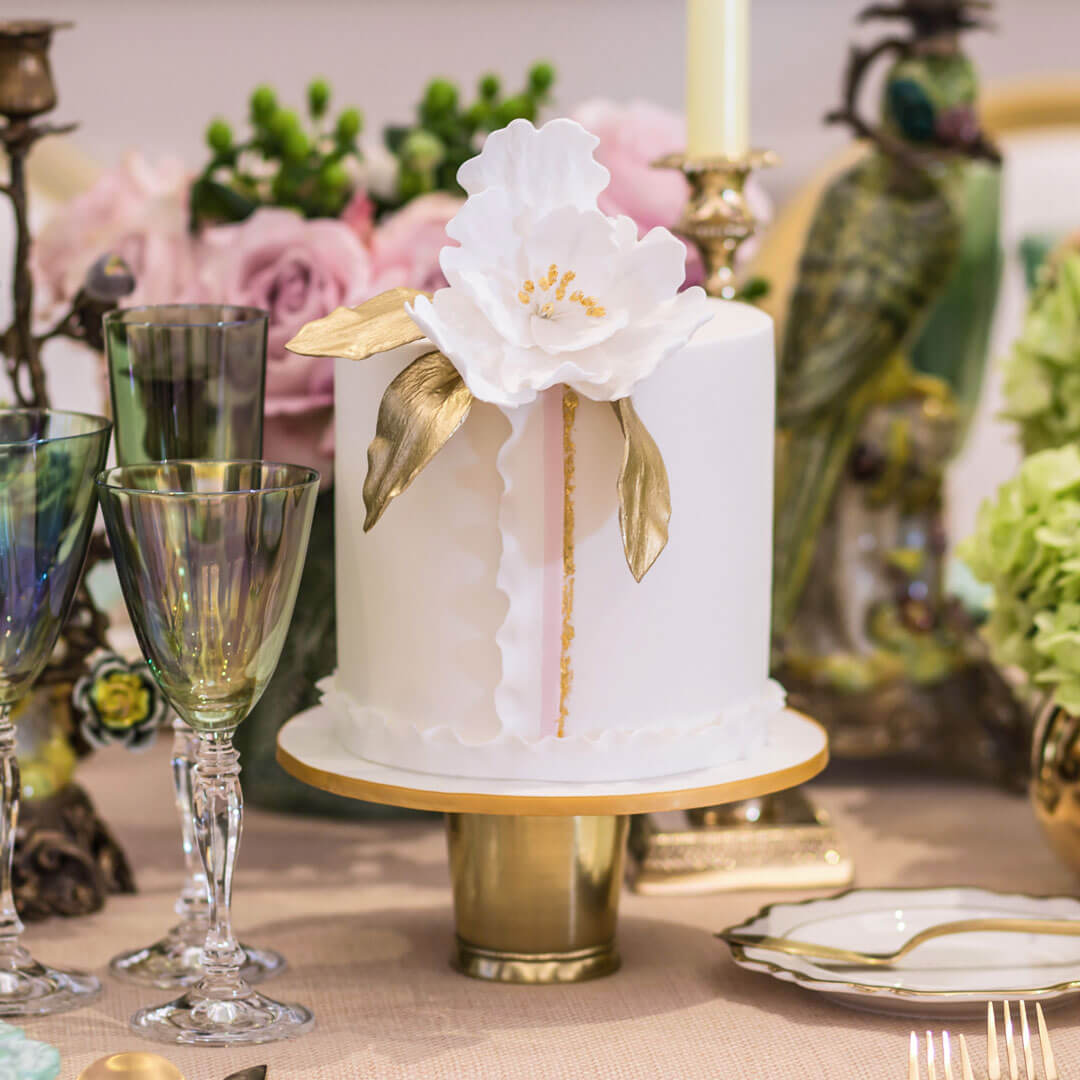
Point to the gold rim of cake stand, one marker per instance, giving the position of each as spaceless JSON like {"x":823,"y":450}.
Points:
{"x":456,"y":802}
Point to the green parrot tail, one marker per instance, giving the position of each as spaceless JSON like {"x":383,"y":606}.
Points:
{"x":810,"y":462}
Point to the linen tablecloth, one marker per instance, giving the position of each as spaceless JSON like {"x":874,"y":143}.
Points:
{"x":363,"y":914}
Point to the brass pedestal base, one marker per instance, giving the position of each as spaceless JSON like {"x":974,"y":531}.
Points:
{"x":536,"y":899}
{"x":780,"y":841}
{"x":535,"y":969}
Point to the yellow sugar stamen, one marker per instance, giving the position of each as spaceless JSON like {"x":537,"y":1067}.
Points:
{"x":552,"y":280}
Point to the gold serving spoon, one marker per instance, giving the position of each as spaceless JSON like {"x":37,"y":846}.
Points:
{"x":832,"y":956}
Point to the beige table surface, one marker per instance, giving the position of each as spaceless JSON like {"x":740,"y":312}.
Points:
{"x":363,"y":914}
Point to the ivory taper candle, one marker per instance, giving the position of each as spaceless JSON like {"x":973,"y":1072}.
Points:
{"x":717,"y":77}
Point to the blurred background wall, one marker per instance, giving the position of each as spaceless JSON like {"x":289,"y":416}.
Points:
{"x":151,"y":72}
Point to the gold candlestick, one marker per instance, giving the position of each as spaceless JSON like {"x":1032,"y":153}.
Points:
{"x":717,"y":219}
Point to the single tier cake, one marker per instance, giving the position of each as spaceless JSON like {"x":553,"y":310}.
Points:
{"x":567,"y":571}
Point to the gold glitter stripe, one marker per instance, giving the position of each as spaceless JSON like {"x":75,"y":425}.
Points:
{"x":566,"y":674}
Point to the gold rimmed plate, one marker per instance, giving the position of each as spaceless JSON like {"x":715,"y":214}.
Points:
{"x":951,"y":976}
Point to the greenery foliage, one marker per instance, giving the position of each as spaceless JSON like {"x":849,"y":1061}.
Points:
{"x":447,"y":132}
{"x":284,"y":161}
{"x":311,"y":164}
{"x":1042,"y":375}
{"x":1027,"y":546}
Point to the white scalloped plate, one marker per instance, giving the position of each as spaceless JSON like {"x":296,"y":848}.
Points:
{"x":951,"y":976}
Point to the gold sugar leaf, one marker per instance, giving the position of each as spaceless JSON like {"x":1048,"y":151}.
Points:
{"x":644,"y":494}
{"x":422,"y":407}
{"x":376,"y":326}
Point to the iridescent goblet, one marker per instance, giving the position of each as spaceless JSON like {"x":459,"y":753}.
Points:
{"x":186,"y":381}
{"x":47,"y":501}
{"x":210,"y":555}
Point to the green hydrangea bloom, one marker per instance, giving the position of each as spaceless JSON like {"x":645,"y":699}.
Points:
{"x":1042,"y":376}
{"x":1026,"y":546}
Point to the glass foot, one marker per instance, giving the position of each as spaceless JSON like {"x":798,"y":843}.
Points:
{"x":31,"y":989}
{"x":175,"y":962}
{"x":245,"y":1017}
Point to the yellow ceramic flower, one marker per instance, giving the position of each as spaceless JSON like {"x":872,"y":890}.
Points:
{"x":118,"y":702}
{"x":121,"y":699}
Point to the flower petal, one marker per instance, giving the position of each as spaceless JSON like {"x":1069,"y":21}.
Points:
{"x":616,"y":365}
{"x":486,"y":265}
{"x":583,"y":241}
{"x":573,"y":331}
{"x":485,"y":229}
{"x":650,"y":269}
{"x":540,"y":169}
{"x":489,"y":365}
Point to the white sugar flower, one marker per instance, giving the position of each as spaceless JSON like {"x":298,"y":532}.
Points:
{"x":545,"y":289}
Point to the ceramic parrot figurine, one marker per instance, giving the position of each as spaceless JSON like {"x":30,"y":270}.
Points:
{"x":879,"y":372}
{"x":879,"y":254}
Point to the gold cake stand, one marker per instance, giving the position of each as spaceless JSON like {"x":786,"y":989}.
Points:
{"x":536,"y":867}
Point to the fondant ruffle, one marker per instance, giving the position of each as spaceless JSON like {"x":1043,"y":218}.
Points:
{"x":610,"y":755}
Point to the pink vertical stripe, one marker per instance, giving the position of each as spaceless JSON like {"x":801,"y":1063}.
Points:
{"x":551,"y":629}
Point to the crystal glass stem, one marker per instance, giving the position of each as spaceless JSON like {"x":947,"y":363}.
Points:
{"x":219,"y":820}
{"x":176,"y":960}
{"x":192,"y":905}
{"x":11,"y":953}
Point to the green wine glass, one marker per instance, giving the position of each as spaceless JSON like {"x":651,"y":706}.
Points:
{"x":48,"y":460}
{"x":186,"y":381}
{"x":209,"y":555}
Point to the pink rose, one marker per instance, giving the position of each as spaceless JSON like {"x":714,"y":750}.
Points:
{"x":137,"y":210}
{"x":359,"y":215}
{"x":631,"y":138}
{"x":405,"y":246}
{"x":298,"y":270}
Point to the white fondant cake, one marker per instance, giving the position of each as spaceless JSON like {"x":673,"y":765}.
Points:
{"x":450,"y":631}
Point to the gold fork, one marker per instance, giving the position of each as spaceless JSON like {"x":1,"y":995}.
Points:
{"x":993,"y":1061}
{"x":931,"y":1062}
{"x":832,"y":955}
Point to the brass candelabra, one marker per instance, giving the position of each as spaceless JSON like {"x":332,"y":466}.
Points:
{"x":717,"y":218}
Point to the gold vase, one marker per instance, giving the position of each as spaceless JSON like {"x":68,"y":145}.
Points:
{"x":1055,"y":781}
{"x":536,"y":899}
